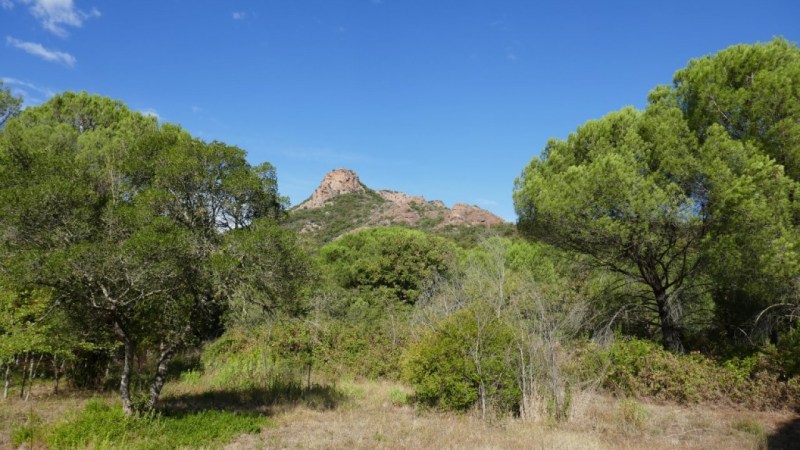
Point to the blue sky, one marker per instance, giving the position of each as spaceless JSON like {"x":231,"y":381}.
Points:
{"x":446,"y":99}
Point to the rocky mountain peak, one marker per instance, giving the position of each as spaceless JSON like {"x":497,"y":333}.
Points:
{"x":380,"y":208}
{"x":335,"y":182}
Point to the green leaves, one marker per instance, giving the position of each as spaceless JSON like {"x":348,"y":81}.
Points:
{"x":394,"y":261}
{"x":262,"y":267}
{"x":10,"y":106}
{"x":702,"y":183}
{"x":753,"y":92}
{"x":118,"y":218}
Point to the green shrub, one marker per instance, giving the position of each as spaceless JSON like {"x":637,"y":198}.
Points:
{"x":641,"y":368}
{"x":788,"y":352}
{"x":448,"y":366}
{"x":394,"y":262}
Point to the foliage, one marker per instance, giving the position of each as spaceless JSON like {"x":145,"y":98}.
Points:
{"x":262,"y":271}
{"x":10,"y":106}
{"x":463,"y":357}
{"x":118,"y":218}
{"x":641,"y":369}
{"x":398,"y":397}
{"x":37,"y":338}
{"x":393,"y":263}
{"x":585,"y":194}
{"x":241,"y":360}
{"x":369,"y":349}
{"x":753,"y":92}
{"x":292,"y":350}
{"x":788,"y":352}
{"x":644,"y":198}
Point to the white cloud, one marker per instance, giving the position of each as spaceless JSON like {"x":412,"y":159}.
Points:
{"x":197,"y":109}
{"x":39,"y":50}
{"x":55,"y":15}
{"x":239,"y":15}
{"x":486,"y":202}
{"x":6,"y":4}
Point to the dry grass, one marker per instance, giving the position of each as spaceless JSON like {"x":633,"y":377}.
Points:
{"x":374,"y":416}
{"x":370,"y":419}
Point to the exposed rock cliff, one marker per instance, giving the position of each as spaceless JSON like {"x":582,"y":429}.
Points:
{"x":335,"y":182}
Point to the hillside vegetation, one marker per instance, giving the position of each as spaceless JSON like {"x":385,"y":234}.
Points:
{"x":156,"y":292}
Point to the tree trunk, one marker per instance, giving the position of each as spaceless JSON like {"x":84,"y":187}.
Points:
{"x":56,"y":375}
{"x":161,"y":375}
{"x":24,"y":374}
{"x":32,"y":374}
{"x":671,"y":338}
{"x":125,"y":379}
{"x":7,"y":379}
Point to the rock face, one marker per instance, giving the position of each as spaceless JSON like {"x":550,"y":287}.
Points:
{"x":395,"y":207}
{"x":471,"y":215}
{"x":335,"y":182}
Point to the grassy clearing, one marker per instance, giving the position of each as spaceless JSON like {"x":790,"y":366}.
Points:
{"x":366,"y":414}
{"x":102,"y":425}
{"x":99,"y":423}
{"x":373,"y":418}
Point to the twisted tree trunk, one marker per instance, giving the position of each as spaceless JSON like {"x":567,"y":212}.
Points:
{"x":164,"y":357}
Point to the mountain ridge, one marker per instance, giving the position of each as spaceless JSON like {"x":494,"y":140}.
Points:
{"x":342,"y":203}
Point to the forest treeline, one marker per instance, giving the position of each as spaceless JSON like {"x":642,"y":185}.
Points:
{"x":655,"y":255}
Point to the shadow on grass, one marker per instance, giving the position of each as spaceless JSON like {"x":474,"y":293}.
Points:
{"x":786,"y":437}
{"x":266,"y":401}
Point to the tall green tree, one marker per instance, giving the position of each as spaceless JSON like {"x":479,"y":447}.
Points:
{"x":753,"y":93}
{"x":639,"y":194}
{"x":119,"y":217}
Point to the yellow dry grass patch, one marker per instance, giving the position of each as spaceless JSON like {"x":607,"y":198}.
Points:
{"x":371,"y":420}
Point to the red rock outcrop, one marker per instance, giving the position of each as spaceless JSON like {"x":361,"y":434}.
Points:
{"x":335,"y":182}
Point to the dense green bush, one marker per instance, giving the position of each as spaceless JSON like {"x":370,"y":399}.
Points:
{"x":393,"y":262}
{"x":467,"y":353}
